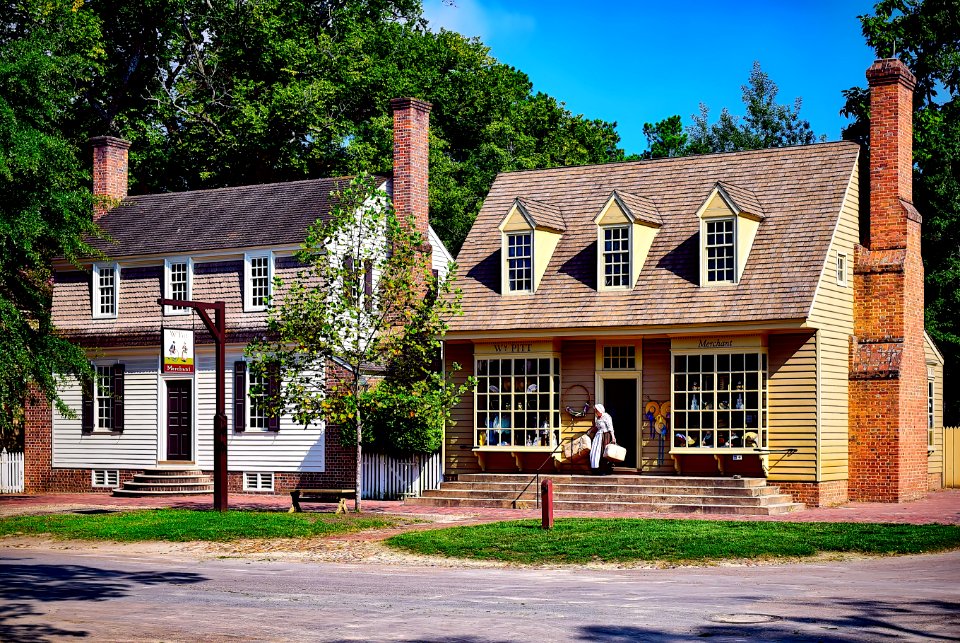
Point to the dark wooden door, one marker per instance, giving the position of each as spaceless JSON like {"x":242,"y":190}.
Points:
{"x":620,"y":400}
{"x":179,"y":420}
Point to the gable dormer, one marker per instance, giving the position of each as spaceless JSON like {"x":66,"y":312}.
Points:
{"x":729,"y":219}
{"x":529,"y":234}
{"x":626,"y":227}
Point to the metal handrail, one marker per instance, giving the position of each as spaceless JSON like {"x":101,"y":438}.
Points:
{"x":536,"y":477}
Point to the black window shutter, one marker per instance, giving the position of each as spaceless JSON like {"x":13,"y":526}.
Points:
{"x":368,"y":285}
{"x":86,"y":406}
{"x":239,"y":396}
{"x":118,"y":376}
{"x":273,"y":393}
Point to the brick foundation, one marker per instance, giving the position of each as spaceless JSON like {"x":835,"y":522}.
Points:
{"x":934,"y":481}
{"x":816,"y":494}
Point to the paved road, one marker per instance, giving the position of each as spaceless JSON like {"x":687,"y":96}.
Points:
{"x":65,"y":595}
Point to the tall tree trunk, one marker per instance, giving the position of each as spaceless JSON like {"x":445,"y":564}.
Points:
{"x":359,"y":480}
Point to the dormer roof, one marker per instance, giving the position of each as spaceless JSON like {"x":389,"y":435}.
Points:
{"x":640,"y":208}
{"x":540,"y":216}
{"x":797,"y":191}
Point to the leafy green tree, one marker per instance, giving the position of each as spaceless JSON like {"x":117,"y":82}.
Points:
{"x":665,"y":138}
{"x":926,"y":37}
{"x":765,"y":124}
{"x":46,"y":51}
{"x":366,"y":296}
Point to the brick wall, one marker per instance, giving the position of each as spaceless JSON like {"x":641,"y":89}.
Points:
{"x":817,"y":494}
{"x":109,"y":170}
{"x":411,"y":157}
{"x":38,"y":444}
{"x":887,"y":444}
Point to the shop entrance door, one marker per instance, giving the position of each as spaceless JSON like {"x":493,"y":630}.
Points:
{"x":620,"y":400}
{"x":179,"y":420}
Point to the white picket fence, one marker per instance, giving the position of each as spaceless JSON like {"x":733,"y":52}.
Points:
{"x":11,"y":472}
{"x":388,"y":478}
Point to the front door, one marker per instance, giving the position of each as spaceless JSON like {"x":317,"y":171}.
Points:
{"x":620,"y":400}
{"x":179,"y":420}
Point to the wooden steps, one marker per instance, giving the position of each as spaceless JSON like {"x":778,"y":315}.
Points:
{"x":175,"y":481}
{"x":615,"y":493}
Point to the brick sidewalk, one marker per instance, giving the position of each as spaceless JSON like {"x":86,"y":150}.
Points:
{"x":937,"y":507}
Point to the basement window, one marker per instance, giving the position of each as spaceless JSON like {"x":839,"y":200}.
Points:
{"x":105,"y":478}
{"x":257,"y":481}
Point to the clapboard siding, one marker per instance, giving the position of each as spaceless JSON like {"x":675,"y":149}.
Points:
{"x":458,"y":444}
{"x":292,"y":448}
{"x":656,"y":388}
{"x":136,"y":446}
{"x":577,"y":368}
{"x":792,"y":406}
{"x":935,"y":460}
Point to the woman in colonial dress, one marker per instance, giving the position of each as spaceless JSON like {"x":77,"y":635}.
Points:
{"x":602,"y":436}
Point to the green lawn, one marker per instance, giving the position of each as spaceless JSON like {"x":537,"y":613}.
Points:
{"x":179,"y":525}
{"x":582,"y":540}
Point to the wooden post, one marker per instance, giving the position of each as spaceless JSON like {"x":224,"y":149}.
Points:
{"x":218,"y":329}
{"x":546,"y":504}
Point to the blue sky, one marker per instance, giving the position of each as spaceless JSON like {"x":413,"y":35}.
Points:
{"x":637,"y":62}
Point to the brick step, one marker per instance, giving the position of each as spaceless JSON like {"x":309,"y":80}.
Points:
{"x":169,"y":479}
{"x":597,"y":486}
{"x":615,"y":479}
{"x":618,"y":507}
{"x":141,"y":493}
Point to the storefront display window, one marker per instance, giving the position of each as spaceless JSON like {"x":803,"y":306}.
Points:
{"x":518,"y":402}
{"x":719,"y":401}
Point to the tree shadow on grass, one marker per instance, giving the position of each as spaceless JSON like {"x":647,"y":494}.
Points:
{"x":24,"y":583}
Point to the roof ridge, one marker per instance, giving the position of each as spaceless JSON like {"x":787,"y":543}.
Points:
{"x":228,"y":188}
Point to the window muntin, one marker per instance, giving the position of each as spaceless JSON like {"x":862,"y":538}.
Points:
{"x":616,"y":257}
{"x":259,"y":275}
{"x":106,"y":290}
{"x":103,"y":397}
{"x":719,"y":251}
{"x":179,"y":282}
{"x":518,"y":402}
{"x":930,"y":415}
{"x":841,"y":269}
{"x":520,"y":262}
{"x":619,"y":358}
{"x":257,"y":396}
{"x":719,"y":401}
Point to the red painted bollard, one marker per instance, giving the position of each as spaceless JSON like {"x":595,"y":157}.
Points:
{"x":546,"y":503}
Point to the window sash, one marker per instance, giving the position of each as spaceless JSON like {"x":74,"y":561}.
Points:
{"x":520,"y":262}
{"x":106,"y":281}
{"x":720,"y":251}
{"x":179,"y":277}
{"x":616,"y":257}
{"x":257,"y":414}
{"x":841,"y":269}
{"x":619,"y":358}
{"x":517,"y":402}
{"x":103,"y":397}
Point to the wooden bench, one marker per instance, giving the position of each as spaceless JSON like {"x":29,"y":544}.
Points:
{"x":320,"y":495}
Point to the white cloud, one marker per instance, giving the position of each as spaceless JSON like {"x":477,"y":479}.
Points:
{"x":487,"y":19}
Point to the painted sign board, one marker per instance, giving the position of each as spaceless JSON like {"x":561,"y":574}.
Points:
{"x":177,"y":350}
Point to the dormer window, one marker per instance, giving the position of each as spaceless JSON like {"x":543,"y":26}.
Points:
{"x":616,"y":257}
{"x":520,"y":262}
{"x":626,"y":227}
{"x":720,"y":251}
{"x":530,"y":233}
{"x":106,"y":290}
{"x":729,"y":220}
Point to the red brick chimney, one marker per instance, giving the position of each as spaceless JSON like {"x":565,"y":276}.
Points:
{"x":411,"y":156}
{"x":109,"y":171}
{"x":887,"y":440}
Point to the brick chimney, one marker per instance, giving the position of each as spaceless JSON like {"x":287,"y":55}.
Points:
{"x":888,"y":377}
{"x":109,"y":171}
{"x":411,"y":155}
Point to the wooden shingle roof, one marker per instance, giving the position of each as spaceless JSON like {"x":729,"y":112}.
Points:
{"x":798,"y":190}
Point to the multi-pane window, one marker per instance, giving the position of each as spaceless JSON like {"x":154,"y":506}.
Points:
{"x":257,"y":393}
{"x":720,"y":251}
{"x":520,"y":262}
{"x":518,"y":402}
{"x":720,"y":401}
{"x":106,"y":281}
{"x":619,"y":358}
{"x":841,"y":269}
{"x":930,"y":416}
{"x":103,"y":397}
{"x":178,"y":285}
{"x":258,"y":276}
{"x":616,"y":256}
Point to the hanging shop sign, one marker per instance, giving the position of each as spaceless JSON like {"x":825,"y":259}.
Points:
{"x":177,"y":350}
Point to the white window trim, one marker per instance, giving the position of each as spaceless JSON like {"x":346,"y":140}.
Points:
{"x":110,"y":478}
{"x":248,"y":306}
{"x":601,"y":264}
{"x":261,"y":481}
{"x":506,"y":262}
{"x":95,"y":290}
{"x":168,"y":285}
{"x":704,"y":273}
{"x":841,"y":269}
{"x":95,"y":392}
{"x":249,"y":412}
